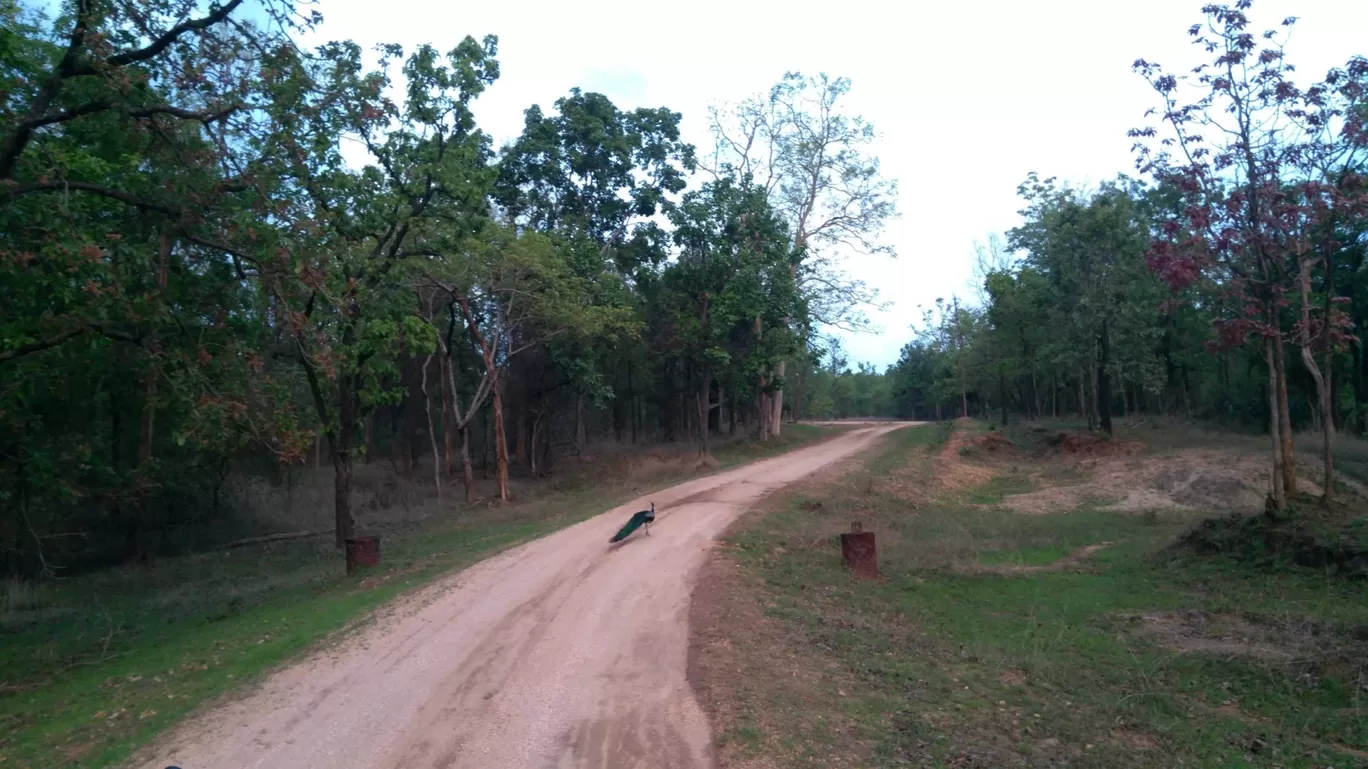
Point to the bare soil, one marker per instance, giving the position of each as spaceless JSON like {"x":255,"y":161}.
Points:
{"x":1188,"y":479}
{"x":565,"y":652}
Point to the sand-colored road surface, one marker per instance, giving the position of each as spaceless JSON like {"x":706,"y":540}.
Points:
{"x":564,"y":652}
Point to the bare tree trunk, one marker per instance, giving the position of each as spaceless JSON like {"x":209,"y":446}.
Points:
{"x":777,"y":417}
{"x":342,"y":461}
{"x":446,"y":385}
{"x":532,"y":455}
{"x":1289,"y":462}
{"x":704,"y":395}
{"x":1322,"y":381}
{"x":500,"y":440}
{"x":721,"y":402}
{"x":467,"y":469}
{"x":1102,"y":383}
{"x":1082,"y":400}
{"x":1279,"y":499}
{"x":762,"y":412}
{"x":580,"y":437}
{"x":432,"y":434}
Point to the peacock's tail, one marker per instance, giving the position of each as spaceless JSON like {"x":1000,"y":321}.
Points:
{"x":631,"y":526}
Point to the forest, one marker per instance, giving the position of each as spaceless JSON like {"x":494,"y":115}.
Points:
{"x":224,"y":256}
{"x":1224,"y":281}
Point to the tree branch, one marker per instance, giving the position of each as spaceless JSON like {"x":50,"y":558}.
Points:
{"x":169,"y":37}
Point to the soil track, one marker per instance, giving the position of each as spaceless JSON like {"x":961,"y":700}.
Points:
{"x":564,"y":652}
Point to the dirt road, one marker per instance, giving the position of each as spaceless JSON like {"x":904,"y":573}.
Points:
{"x":564,"y":652}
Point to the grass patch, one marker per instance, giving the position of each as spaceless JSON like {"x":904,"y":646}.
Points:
{"x":1000,"y":487}
{"x":1137,"y":655}
{"x":94,"y":666}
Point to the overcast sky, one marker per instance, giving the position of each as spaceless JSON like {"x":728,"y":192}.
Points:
{"x":968,"y":97}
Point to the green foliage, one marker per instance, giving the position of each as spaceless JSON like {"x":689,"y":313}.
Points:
{"x":218,"y":250}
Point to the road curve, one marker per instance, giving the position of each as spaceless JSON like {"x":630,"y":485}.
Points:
{"x":563,"y":652}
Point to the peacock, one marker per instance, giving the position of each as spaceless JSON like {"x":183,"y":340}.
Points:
{"x":643,"y":518}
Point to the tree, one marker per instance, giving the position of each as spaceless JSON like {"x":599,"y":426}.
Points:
{"x":340,"y":273}
{"x":1091,"y":250}
{"x":1235,"y":151}
{"x":514,"y":291}
{"x":812,"y":161}
{"x":125,"y":175}
{"x":732,"y":268}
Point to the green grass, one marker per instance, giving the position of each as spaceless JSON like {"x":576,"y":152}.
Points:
{"x":94,"y":666}
{"x":1000,"y":487}
{"x":952,"y":668}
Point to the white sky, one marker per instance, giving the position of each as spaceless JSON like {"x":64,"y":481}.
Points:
{"x":968,"y":97}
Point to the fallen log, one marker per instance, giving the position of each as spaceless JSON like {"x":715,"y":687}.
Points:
{"x":275,"y":538}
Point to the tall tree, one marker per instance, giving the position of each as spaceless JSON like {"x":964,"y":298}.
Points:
{"x":813,"y":161}
{"x":341,"y":273}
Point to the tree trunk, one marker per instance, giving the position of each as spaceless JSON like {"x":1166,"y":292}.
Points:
{"x":1002,"y":393}
{"x":762,"y":412}
{"x":580,"y":437}
{"x":342,"y":462}
{"x":777,"y":418}
{"x":1279,"y":497}
{"x":1289,"y":462}
{"x":1035,"y":395}
{"x":1102,"y":398}
{"x":1083,"y":401}
{"x":1094,"y":413}
{"x":446,"y":386}
{"x":532,"y":445}
{"x":500,"y":440}
{"x":703,"y":397}
{"x":731,"y":415}
{"x":432,"y":433}
{"x":1327,"y":421}
{"x":467,"y":469}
